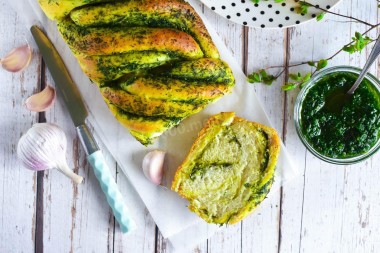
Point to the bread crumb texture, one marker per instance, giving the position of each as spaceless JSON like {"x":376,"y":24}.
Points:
{"x":229,"y":170}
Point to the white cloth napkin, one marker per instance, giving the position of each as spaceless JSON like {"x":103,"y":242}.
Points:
{"x":168,"y":210}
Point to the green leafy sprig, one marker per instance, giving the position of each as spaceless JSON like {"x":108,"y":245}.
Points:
{"x":297,"y":80}
{"x":358,"y":43}
{"x":261,"y":77}
{"x":302,"y":8}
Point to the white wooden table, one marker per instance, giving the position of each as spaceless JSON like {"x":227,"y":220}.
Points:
{"x":327,"y":208}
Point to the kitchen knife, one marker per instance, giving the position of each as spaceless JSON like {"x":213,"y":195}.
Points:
{"x":78,"y":112}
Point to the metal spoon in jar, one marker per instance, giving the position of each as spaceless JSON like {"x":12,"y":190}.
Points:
{"x":336,"y":101}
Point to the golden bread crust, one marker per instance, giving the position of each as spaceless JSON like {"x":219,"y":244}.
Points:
{"x":145,"y":129}
{"x":56,"y":9}
{"x":177,"y":90}
{"x":179,"y":14}
{"x":140,"y":105}
{"x":124,"y":45}
{"x":107,"y":41}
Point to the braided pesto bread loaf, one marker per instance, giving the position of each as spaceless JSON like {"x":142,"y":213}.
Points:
{"x":153,"y":60}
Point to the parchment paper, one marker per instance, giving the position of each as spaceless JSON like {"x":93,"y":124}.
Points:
{"x":182,"y":227}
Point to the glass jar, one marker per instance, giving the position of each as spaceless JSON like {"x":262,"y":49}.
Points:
{"x":298,"y":108}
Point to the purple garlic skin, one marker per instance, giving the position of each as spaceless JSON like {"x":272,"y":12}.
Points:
{"x":43,"y":147}
{"x":153,"y":166}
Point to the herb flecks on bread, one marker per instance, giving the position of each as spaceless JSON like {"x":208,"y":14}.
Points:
{"x":229,"y":170}
{"x":153,"y":60}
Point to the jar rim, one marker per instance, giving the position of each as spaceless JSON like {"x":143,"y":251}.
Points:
{"x":298,"y":108}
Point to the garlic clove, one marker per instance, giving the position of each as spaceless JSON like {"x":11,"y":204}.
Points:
{"x":41,"y":101}
{"x":153,"y":166}
{"x":18,"y":59}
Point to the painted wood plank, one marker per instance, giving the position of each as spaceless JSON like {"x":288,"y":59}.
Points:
{"x":17,"y":184}
{"x":293,"y":204}
{"x":360,"y":197}
{"x":143,"y":239}
{"x":260,"y":230}
{"x":292,"y":192}
{"x":322,"y":204}
{"x":76,"y":217}
{"x":357,"y":220}
{"x":305,"y":44}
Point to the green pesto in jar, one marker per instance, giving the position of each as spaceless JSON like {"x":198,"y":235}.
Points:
{"x":345,"y":133}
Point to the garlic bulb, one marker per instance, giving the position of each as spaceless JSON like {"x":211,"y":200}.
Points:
{"x":41,"y":101}
{"x":18,"y":59}
{"x":153,"y":166}
{"x":44,"y":147}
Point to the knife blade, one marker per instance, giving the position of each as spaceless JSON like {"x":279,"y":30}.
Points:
{"x":78,"y":112}
{"x":62,"y":79}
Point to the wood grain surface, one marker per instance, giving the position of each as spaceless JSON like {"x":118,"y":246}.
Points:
{"x":327,"y":208}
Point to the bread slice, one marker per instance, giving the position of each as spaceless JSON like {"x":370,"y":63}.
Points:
{"x":229,"y":170}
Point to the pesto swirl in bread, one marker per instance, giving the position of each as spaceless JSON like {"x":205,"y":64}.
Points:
{"x":229,"y":170}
